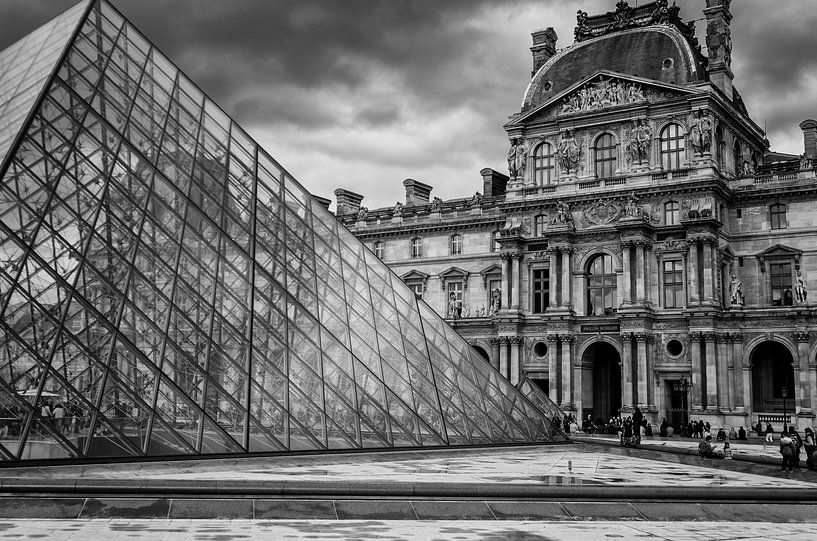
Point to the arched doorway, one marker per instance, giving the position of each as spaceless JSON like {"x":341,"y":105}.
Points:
{"x":604,"y":393}
{"x":772,"y":377}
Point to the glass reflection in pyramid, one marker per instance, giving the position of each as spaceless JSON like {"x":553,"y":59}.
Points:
{"x":166,"y":288}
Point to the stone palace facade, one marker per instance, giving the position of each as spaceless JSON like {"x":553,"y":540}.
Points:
{"x":647,"y":248}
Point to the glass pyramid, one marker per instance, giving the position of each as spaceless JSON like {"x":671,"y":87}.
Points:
{"x":166,"y":288}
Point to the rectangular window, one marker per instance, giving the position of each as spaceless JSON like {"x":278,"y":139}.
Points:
{"x":417,"y":288}
{"x":673,"y":284}
{"x":416,"y":247}
{"x":540,"y":224}
{"x":777,"y":216}
{"x":541,"y":290}
{"x":780,"y":276}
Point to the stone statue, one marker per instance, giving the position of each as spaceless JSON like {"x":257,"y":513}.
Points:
{"x":805,"y":162}
{"x":700,"y":133}
{"x":582,"y":30}
{"x":736,"y":292}
{"x":496,"y":301}
{"x":363,"y":213}
{"x":521,"y":159}
{"x":568,"y":150}
{"x":481,"y":312}
{"x":436,"y":204}
{"x":453,"y":305}
{"x":398,"y":209}
{"x":467,"y":311}
{"x":632,"y":209}
{"x":639,"y":142}
{"x":476,"y":200}
{"x":562,"y":215}
{"x":517,"y":159}
{"x":800,"y":291}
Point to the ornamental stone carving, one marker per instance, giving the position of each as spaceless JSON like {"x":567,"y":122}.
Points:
{"x":569,"y":152}
{"x":601,"y":212}
{"x":700,"y":133}
{"x":517,"y":159}
{"x":602,"y":94}
{"x":672,"y":245}
{"x":397,"y":211}
{"x":638,"y":141}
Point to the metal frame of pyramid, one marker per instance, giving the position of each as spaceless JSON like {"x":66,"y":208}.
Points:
{"x":167,"y":289}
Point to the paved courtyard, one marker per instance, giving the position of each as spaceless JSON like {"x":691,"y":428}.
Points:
{"x":226,"y":530}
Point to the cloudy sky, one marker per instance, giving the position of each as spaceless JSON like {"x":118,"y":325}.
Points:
{"x":362,"y":94}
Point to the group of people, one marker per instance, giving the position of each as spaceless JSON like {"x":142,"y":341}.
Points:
{"x":790,"y":446}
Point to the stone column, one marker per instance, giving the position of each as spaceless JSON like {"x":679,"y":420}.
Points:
{"x":741,"y":388}
{"x":711,"y":371}
{"x":626,"y":294}
{"x":803,"y":390}
{"x":552,"y":278}
{"x":641,"y":370}
{"x":627,"y":371}
{"x":506,"y":289}
{"x":652,"y":399}
{"x":747,"y":387}
{"x":709,"y":276}
{"x":517,"y":283}
{"x":504,"y":356}
{"x":697,"y":377}
{"x":565,"y":343}
{"x":495,"y":353}
{"x":566,"y":261}
{"x":724,"y":383}
{"x":515,"y":369}
{"x":692,"y":272}
{"x":553,"y":369}
{"x":640,"y":297}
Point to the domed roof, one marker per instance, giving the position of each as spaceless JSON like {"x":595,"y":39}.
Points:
{"x":657,"y":52}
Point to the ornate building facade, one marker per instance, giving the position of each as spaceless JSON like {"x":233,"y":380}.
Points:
{"x":646,"y":249}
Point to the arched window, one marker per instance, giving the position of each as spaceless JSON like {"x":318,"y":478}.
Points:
{"x":456,"y":244}
{"x":416,"y":247}
{"x":672,"y":147}
{"x":544,"y":165}
{"x":672,"y":213}
{"x":601,"y":286}
{"x":605,"y":156}
{"x":378,"y":249}
{"x":777,"y":216}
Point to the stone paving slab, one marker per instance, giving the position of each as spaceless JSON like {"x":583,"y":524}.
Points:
{"x":49,"y":508}
{"x":184,"y":530}
{"x":462,"y":510}
{"x":528,"y":511}
{"x":125,"y":508}
{"x":295,"y":509}
{"x":374,"y":510}
{"x":211,"y":509}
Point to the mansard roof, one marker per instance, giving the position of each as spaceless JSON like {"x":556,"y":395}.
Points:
{"x":655,"y":52}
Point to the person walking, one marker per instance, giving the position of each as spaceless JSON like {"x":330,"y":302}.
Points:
{"x":798,"y":444}
{"x":769,"y":435}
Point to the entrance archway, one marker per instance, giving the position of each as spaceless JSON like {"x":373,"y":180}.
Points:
{"x":772,"y":372}
{"x":604,"y":393}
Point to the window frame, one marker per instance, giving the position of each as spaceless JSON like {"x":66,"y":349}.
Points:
{"x":775,"y":215}
{"x":539,"y":225}
{"x":379,"y":248}
{"x":416,"y":247}
{"x":672,"y":146}
{"x":541,"y":295}
{"x":609,"y":284}
{"x":455,"y":244}
{"x":675,"y":212}
{"x":679,"y":290}
{"x":605,"y":158}
{"x":460,"y":292}
{"x":544,"y":165}
{"x":780,"y":263}
{"x":494,"y":242}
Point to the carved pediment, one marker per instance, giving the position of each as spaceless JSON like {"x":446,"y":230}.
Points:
{"x":604,"y":90}
{"x":414,"y":276}
{"x":489,"y":272}
{"x":780,"y":251}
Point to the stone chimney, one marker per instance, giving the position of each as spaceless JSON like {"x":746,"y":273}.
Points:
{"x":809,"y":128}
{"x":348,"y":202}
{"x":417,"y":193}
{"x":322,"y":201}
{"x":544,"y":46}
{"x":719,"y":44}
{"x":493,"y":182}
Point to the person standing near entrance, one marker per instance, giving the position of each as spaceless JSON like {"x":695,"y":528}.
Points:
{"x":769,"y":435}
{"x":787,"y":451}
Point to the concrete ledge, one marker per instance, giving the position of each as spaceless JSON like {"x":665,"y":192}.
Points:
{"x":345,"y":489}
